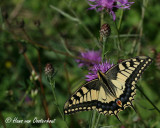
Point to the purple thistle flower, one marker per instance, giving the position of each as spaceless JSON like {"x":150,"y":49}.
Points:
{"x":98,"y":67}
{"x":109,"y":5}
{"x":93,"y":58}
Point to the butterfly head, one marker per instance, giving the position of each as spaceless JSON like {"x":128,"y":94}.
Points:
{"x":100,"y":74}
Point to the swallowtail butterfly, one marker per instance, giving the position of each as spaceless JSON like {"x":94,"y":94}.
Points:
{"x":112,"y":91}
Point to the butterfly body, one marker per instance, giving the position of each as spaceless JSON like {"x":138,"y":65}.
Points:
{"x":112,"y":91}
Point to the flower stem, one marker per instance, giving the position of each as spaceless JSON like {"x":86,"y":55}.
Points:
{"x":52,"y":83}
{"x":119,"y":42}
{"x":23,"y":98}
{"x":147,"y":98}
{"x":102,"y":18}
{"x":102,"y":39}
{"x":90,"y":119}
{"x":99,"y":116}
{"x":145,"y":2}
{"x":93,"y":119}
{"x":103,"y":51}
{"x":120,"y":20}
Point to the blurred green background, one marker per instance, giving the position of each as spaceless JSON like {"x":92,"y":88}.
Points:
{"x":34,"y":33}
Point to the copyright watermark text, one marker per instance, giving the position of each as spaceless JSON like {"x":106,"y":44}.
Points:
{"x":35,"y":120}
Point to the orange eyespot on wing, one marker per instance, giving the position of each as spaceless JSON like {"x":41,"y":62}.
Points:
{"x":119,"y":103}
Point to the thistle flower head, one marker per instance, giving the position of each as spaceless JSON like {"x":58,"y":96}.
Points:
{"x":109,"y":5}
{"x":90,"y":58}
{"x":94,"y":64}
{"x":103,"y":67}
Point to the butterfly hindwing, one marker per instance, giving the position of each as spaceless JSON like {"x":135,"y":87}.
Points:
{"x":85,"y":98}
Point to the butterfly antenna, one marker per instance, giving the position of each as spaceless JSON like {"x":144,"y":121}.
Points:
{"x":118,"y":118}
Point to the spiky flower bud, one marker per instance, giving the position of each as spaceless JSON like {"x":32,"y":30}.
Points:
{"x":49,"y":69}
{"x":50,"y":73}
{"x":105,"y":30}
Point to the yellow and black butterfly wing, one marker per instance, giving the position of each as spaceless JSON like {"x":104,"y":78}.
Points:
{"x":88,"y":97}
{"x":122,"y":78}
{"x":84,"y":99}
{"x":127,"y":72}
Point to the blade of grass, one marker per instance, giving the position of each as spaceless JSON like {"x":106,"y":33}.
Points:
{"x":64,"y":14}
{"x":76,"y":19}
{"x":147,"y":98}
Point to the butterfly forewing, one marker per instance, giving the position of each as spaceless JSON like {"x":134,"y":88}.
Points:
{"x":127,"y":72}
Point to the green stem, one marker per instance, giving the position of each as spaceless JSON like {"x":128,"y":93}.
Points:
{"x":145,"y":2}
{"x":99,"y":116}
{"x":65,"y":47}
{"x":103,"y":51}
{"x":101,"y":23}
{"x":147,"y":98}
{"x":119,"y":42}
{"x":90,"y":120}
{"x":102,"y":18}
{"x":118,"y":28}
{"x":102,"y":39}
{"x":26,"y":93}
{"x":120,"y":20}
{"x":52,"y":83}
{"x":93,"y":118}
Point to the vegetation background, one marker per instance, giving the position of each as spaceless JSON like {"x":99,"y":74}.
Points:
{"x":34,"y":33}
